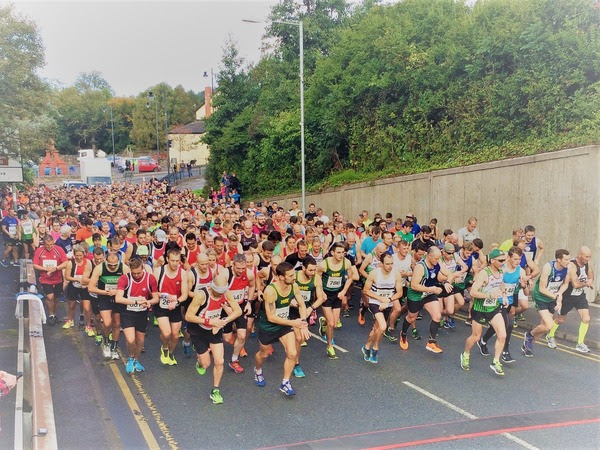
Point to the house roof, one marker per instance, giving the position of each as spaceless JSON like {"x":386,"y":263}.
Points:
{"x":195,"y":127}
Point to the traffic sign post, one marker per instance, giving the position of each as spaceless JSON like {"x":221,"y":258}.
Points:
{"x":11,"y":171}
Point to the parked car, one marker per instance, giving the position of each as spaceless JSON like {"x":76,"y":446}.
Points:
{"x":73,"y":183}
{"x":115,"y":160}
{"x":147,"y":164}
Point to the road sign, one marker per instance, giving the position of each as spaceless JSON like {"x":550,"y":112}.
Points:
{"x":11,"y":171}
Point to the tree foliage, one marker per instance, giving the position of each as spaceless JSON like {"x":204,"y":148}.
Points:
{"x":411,"y":86}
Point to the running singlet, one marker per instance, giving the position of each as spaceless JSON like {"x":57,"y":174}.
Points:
{"x":200,"y":282}
{"x":582,"y":275}
{"x":191,"y":256}
{"x":168,"y":285}
{"x":77,"y":273}
{"x":492,"y":288}
{"x":109,"y":280}
{"x":282,"y":309}
{"x":307,"y":290}
{"x":157,"y":252}
{"x":465,"y":277}
{"x":429,"y":280}
{"x":531,"y":249}
{"x":555,"y":281}
{"x":238,"y":286}
{"x":142,"y":288}
{"x":511,"y":282}
{"x":333,"y":281}
{"x":384,"y":286}
{"x":211,"y":308}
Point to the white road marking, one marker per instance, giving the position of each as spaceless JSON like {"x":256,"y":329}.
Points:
{"x":467,"y":414}
{"x":318,"y":338}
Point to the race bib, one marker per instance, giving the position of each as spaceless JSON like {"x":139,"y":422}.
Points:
{"x":554,"y":286}
{"x":238,"y":295}
{"x":164,"y":301}
{"x":27,"y":228}
{"x":282,"y":313}
{"x":334,"y":282}
{"x":529,"y":255}
{"x":110,"y":287}
{"x":49,"y":263}
{"x":510,"y":289}
{"x":489,"y":302}
{"x":134,"y":308}
{"x":12,"y":231}
{"x":461,"y":279}
{"x":213,"y":314}
{"x":306,"y":296}
{"x":77,"y":282}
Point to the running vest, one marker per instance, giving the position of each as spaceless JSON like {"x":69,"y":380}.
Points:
{"x":467,"y":276}
{"x":374,"y":264}
{"x":211,"y":308}
{"x":429,"y":279}
{"x":555,"y":281}
{"x":531,"y":249}
{"x":319,"y":257}
{"x":307,"y":290}
{"x":238,"y":286}
{"x":333,"y":281}
{"x":582,"y":275}
{"x":77,"y":271}
{"x":512,"y":282}
{"x":156,"y":252}
{"x":168,"y":285}
{"x":282,"y":309}
{"x":140,"y":287}
{"x":262,"y":263}
{"x":247,"y":241}
{"x":93,"y":267}
{"x":26,"y":230}
{"x":200,"y":283}
{"x":493,"y":285}
{"x":108,"y":280}
{"x":383,"y":285}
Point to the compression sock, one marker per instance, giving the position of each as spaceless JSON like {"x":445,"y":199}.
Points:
{"x":433,"y":329}
{"x":488,"y":335}
{"x":583,"y":329}
{"x":554,"y":328}
{"x":405,"y":326}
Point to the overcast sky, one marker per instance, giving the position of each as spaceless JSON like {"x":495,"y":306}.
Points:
{"x":136,"y":44}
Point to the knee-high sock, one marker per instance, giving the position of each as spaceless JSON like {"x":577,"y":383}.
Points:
{"x":433,"y":329}
{"x":583,"y":329}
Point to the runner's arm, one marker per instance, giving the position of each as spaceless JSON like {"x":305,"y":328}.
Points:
{"x":236,"y":311}
{"x":363,"y":267}
{"x":543,"y":286}
{"x":190,"y":277}
{"x":198,"y":300}
{"x":479,"y":281}
{"x":93,"y":282}
{"x":270,"y":297}
{"x":301,"y":305}
{"x":540,"y":252}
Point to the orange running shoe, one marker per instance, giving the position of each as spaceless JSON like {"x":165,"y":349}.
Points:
{"x":243,"y":352}
{"x":403,"y":342}
{"x":361,"y":317}
{"x":433,"y":347}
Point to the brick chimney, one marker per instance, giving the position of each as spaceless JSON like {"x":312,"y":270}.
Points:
{"x":207,"y":101}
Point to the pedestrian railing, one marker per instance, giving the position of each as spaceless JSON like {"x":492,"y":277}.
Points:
{"x":34,"y":412}
{"x":176,"y":177}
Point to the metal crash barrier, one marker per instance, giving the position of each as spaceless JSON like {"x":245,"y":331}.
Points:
{"x":34,"y":411}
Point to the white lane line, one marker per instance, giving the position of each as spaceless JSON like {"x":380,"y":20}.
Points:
{"x":318,"y":338}
{"x":467,"y":414}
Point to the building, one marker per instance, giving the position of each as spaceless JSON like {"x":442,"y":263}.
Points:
{"x":52,"y":164}
{"x":186,"y":140}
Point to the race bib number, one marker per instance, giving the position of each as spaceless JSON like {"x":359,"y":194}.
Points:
{"x":164,"y":301}
{"x":137,"y":308}
{"x":77,"y":282}
{"x":510,"y":289}
{"x":238,"y":295}
{"x":110,"y":287}
{"x":282,"y":313}
{"x":489,"y":302}
{"x":27,"y":228}
{"x":12,"y":231}
{"x":306,"y":296}
{"x":334,"y":282}
{"x":213,"y":314}
{"x":554,"y":286}
{"x":49,"y":263}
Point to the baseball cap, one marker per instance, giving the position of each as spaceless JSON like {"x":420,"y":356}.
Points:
{"x":122,"y":223}
{"x":160,"y":235}
{"x":496,"y":253}
{"x":449,"y":248}
{"x":142,"y":250}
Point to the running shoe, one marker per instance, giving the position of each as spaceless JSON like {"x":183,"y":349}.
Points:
{"x":361,"y":317}
{"x":515,"y":324}
{"x":433,"y":347}
{"x":507,"y":358}
{"x":98,"y":339}
{"x":582,"y":348}
{"x":465,"y":361}
{"x":304,"y":344}
{"x":528,"y":340}
{"x":520,"y":317}
{"x":451,"y":322}
{"x":4,"y":263}
{"x":346,"y":313}
{"x":287,"y":389}
{"x":259,"y":378}
{"x":181,"y":334}
{"x":322,"y":326}
{"x":243,"y":353}
{"x":298,"y":372}
{"x":164,"y":356}
{"x":443,"y":324}
{"x":390,"y":334}
{"x":172,"y":360}
{"x":114,"y":354}
{"x":236,"y":367}
{"x":338,"y":324}
{"x":324,"y":339}
{"x":90,"y":331}
{"x":496,"y":367}
{"x":366,"y":353}
{"x":551,"y":341}
{"x":106,"y":350}
{"x":130,"y":366}
{"x":331,"y":353}
{"x":138,"y":366}
{"x":415,"y":334}
{"x":483,"y":348}
{"x":403,"y":342}
{"x":155,"y":321}
{"x":526,"y":351}
{"x":468,"y":321}
{"x":374,"y":358}
{"x":201,"y":370}
{"x":419,"y":316}
{"x":216,"y":397}
{"x":313,"y":318}
{"x":187,"y":349}
{"x":15,"y":264}
{"x":68,"y":324}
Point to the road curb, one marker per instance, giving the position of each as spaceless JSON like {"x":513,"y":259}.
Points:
{"x":569,"y":337}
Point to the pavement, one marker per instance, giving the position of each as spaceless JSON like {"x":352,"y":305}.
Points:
{"x":411,"y":397}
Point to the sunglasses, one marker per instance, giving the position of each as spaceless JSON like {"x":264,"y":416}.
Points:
{"x":501,"y":260}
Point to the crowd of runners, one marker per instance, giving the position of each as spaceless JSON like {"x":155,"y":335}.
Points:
{"x":206,"y":272}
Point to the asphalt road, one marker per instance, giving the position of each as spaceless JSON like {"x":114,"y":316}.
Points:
{"x":410,"y":397}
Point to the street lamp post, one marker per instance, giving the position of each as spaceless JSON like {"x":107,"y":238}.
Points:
{"x":112,"y":129}
{"x":151,"y":99}
{"x":205,"y":75}
{"x":167,"y":134}
{"x":301,"y":41}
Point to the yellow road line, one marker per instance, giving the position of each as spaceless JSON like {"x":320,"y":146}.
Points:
{"x":135,"y":409}
{"x":566,"y":349}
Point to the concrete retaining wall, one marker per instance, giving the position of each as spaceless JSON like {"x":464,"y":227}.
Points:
{"x":558,"y":193}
